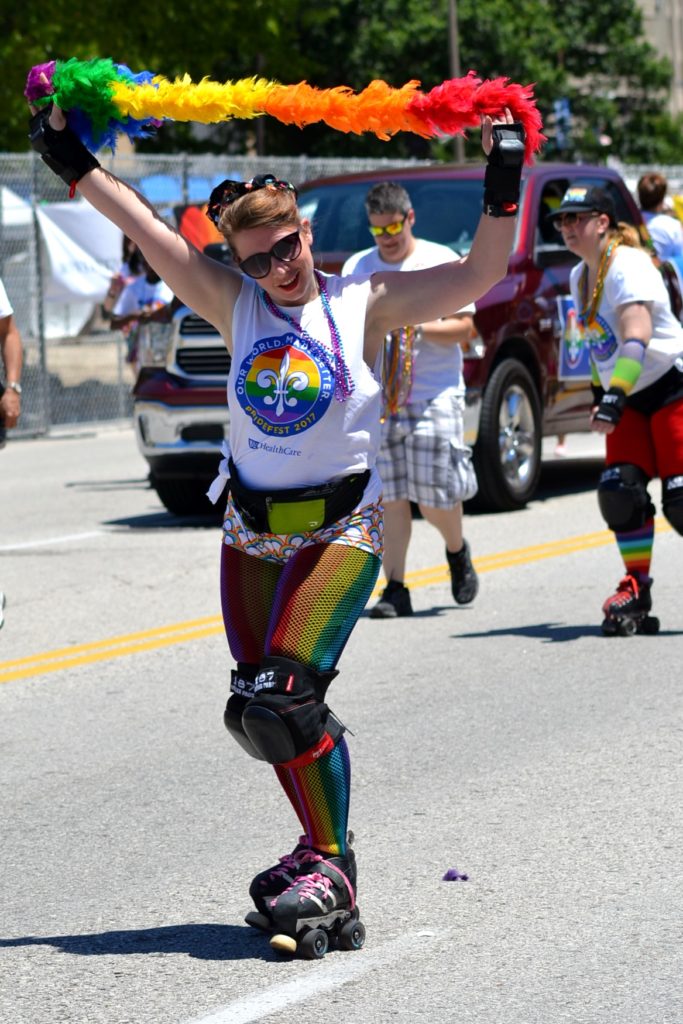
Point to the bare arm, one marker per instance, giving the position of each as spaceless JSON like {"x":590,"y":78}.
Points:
{"x":449,"y":330}
{"x":12,"y":353}
{"x":634,"y":322}
{"x":207,"y":286}
{"x":421,"y":296}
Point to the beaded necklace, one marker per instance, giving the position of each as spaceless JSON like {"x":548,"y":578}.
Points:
{"x":587,"y":315}
{"x":398,"y":369}
{"x":343,"y":384}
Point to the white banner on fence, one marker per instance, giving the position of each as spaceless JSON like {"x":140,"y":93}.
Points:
{"x":83,"y":249}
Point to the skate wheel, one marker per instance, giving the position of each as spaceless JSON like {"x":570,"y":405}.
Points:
{"x":314,"y":944}
{"x":628,"y":627}
{"x":351,"y":935}
{"x":260,"y":921}
{"x":650,"y":625}
{"x":283,"y":943}
{"x":609,"y":627}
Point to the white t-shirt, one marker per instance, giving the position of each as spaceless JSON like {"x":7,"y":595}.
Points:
{"x":287,"y":428}
{"x":632,"y":277}
{"x":436,"y":368}
{"x":141,"y":293}
{"x":5,"y":304}
{"x":666,"y":233}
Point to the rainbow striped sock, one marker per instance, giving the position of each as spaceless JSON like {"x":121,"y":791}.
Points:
{"x":319,"y":793}
{"x":636,"y":550}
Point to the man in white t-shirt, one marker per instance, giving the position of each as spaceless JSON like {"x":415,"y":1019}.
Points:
{"x":423,"y":458}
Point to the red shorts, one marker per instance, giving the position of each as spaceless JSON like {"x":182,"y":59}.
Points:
{"x":655,"y":443}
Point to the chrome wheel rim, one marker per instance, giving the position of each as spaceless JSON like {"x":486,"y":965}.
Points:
{"x":517,"y":438}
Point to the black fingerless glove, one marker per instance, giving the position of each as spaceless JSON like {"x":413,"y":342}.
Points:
{"x":62,"y":151}
{"x":504,"y":170}
{"x":611,"y":406}
{"x":598,"y":393}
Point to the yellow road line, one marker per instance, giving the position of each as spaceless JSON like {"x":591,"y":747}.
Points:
{"x":196,"y":629}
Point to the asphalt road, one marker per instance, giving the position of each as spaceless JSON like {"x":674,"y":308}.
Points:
{"x":509,"y":740}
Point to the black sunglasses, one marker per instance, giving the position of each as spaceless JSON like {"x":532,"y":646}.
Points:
{"x":228,"y":191}
{"x":285,"y":249}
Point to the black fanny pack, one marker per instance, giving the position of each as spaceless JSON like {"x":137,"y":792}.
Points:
{"x":297,"y":509}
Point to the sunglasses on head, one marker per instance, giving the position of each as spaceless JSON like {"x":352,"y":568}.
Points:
{"x":259,"y":263}
{"x":568,"y":219}
{"x":389,"y":229}
{"x":228,"y":191}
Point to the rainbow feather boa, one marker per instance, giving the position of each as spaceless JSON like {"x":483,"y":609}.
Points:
{"x":104,"y":100}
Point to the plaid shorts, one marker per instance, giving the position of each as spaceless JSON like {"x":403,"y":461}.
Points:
{"x":423,"y":457}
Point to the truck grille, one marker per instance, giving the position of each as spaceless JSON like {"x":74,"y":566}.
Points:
{"x":193,"y":325}
{"x":211,"y":361}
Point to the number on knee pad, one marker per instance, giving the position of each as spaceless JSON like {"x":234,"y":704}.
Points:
{"x":287,"y":717}
{"x":242,"y":685}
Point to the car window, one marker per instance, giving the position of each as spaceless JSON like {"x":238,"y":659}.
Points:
{"x":446,"y":211}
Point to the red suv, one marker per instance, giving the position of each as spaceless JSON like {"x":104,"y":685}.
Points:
{"x":519,"y":388}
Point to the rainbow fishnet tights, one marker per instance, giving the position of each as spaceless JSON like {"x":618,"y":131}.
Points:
{"x":304,"y":609}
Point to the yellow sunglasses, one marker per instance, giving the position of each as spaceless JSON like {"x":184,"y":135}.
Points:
{"x":390,"y":229}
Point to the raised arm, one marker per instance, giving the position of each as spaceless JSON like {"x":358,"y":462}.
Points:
{"x":207,"y":286}
{"x":420,"y":296}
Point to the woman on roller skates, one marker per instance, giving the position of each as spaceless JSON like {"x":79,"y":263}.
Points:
{"x":636,"y":346}
{"x":302,"y":537}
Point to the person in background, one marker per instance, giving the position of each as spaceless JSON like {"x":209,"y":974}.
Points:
{"x":129,"y":270}
{"x":423,"y":457}
{"x":665,"y":230}
{"x":636,"y":348}
{"x":302,"y":538}
{"x":12,"y":356}
{"x":143,"y":299}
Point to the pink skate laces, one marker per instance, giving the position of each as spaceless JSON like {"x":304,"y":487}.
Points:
{"x":315,"y":883}
{"x":291,"y":861}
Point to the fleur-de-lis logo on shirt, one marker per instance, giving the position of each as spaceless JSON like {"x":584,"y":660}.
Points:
{"x":283,"y":382}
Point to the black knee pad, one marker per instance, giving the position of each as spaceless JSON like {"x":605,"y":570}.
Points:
{"x":623,"y":498}
{"x":287,"y":716}
{"x":672,"y":501}
{"x":242,"y":685}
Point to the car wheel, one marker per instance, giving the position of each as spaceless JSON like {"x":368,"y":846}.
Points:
{"x":507,"y":455}
{"x":185,"y":496}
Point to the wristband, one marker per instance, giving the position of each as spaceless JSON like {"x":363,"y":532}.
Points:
{"x":504,"y":170}
{"x":62,"y":151}
{"x":611,"y":406}
{"x":628,"y":366}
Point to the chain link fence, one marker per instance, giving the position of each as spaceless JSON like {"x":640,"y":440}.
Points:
{"x":75,"y":368}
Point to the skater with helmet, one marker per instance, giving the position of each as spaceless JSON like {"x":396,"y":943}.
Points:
{"x":636,"y":347}
{"x":302,"y":538}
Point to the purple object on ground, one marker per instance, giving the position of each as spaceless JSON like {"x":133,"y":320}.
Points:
{"x":453,"y":875}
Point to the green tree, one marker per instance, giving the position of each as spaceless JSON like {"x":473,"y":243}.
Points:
{"x":593,"y":55}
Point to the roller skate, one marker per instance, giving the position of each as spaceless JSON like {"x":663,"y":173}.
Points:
{"x":315,"y":910}
{"x":274,"y":880}
{"x":628,"y":610}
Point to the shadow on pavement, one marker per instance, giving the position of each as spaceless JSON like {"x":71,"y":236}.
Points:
{"x":201,"y":941}
{"x":553,"y":632}
{"x":568,"y":476}
{"x":163,"y":520}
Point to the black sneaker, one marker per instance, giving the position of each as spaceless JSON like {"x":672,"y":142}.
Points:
{"x":394,"y":602}
{"x":464,"y":580}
